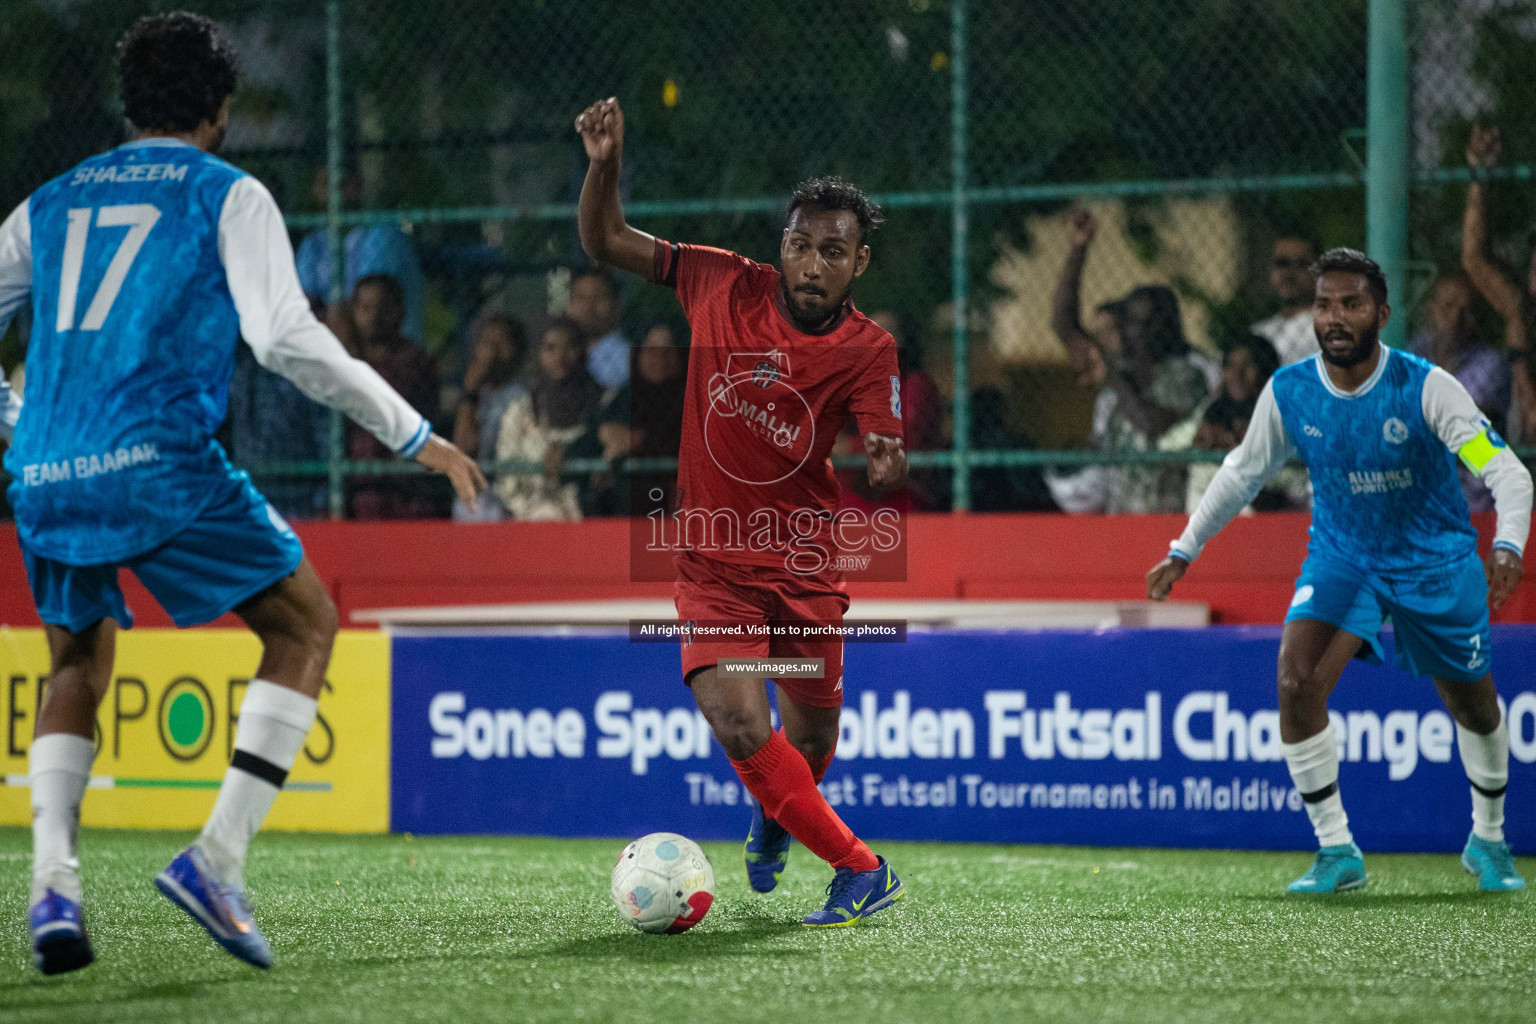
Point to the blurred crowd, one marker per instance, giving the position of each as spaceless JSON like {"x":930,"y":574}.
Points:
{"x":574,"y":395}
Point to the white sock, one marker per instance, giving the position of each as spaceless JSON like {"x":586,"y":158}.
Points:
{"x":273,"y":723}
{"x":60,"y":767}
{"x":1314,"y":765}
{"x":1486,"y":759}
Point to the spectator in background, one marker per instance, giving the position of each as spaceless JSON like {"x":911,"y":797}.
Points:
{"x":1502,"y":294}
{"x":490,"y":386}
{"x":644,"y":418}
{"x":594,"y":306}
{"x":368,"y":251}
{"x":377,"y":309}
{"x":654,"y":400}
{"x":270,"y":420}
{"x":1450,"y":340}
{"x":538,"y":427}
{"x":1221,"y":421}
{"x":1151,"y":383}
{"x":1290,"y":279}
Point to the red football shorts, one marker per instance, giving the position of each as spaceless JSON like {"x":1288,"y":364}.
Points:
{"x":712,"y":591}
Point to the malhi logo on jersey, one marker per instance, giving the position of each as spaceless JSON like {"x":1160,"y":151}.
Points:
{"x":765,"y":374}
{"x":755,"y":395}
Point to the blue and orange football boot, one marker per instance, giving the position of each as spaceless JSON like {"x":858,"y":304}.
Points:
{"x":854,"y":895}
{"x":219,"y":906}
{"x":59,"y":942}
{"x":767,"y":851}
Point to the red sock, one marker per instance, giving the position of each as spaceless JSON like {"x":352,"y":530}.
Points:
{"x":820,"y":765}
{"x":779,"y":778}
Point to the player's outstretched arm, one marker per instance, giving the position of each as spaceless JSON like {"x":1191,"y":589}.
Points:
{"x":1265,"y":449}
{"x":276,"y":321}
{"x":1456,"y":420}
{"x":1163,"y":575}
{"x":599,"y":216}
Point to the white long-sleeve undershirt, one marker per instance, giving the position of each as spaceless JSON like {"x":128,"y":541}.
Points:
{"x":1450,"y":413}
{"x":275,"y":317}
{"x":278,"y":324}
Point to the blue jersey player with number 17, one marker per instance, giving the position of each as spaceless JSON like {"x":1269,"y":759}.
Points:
{"x":144,"y":266}
{"x":1381,"y":432}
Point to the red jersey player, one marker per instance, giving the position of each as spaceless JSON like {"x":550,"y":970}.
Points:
{"x":779,"y":359}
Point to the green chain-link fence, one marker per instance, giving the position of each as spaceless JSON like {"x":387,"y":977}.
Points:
{"x":1216,"y":143}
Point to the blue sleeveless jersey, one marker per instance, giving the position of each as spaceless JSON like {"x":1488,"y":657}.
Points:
{"x":128,"y":367}
{"x":1385,"y":494}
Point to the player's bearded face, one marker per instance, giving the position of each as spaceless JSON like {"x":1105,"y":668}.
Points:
{"x":1345,"y":319}
{"x":820,"y":256}
{"x":1345,"y":348}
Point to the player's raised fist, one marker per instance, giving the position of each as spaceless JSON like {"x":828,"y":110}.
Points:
{"x":1082,"y":226}
{"x":1163,"y":576}
{"x":444,"y":457}
{"x":601,"y":127}
{"x":1483,"y":146}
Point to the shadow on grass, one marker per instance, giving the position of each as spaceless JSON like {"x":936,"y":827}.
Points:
{"x":1375,"y":899}
{"x":741,"y":940}
{"x":36,"y":992}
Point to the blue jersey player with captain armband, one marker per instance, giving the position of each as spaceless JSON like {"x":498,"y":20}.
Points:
{"x":144,"y":267}
{"x":1381,"y":432}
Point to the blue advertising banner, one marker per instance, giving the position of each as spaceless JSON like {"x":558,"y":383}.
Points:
{"x":1118,"y":737}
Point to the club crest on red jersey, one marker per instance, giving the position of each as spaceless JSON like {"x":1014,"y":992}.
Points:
{"x":766,"y":374}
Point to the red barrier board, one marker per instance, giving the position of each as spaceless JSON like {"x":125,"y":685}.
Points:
{"x":1246,"y":575}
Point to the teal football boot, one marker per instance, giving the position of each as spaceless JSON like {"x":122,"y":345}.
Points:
{"x":1493,"y":865}
{"x":1335,"y":869}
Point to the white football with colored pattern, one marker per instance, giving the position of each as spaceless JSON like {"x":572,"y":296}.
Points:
{"x":663,"y":883}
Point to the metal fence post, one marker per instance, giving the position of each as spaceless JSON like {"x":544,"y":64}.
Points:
{"x":1387,"y":155}
{"x":337,"y":292}
{"x":959,"y":147}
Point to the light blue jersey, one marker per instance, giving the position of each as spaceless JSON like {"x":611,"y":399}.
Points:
{"x":1391,"y":536}
{"x":1386,"y":498}
{"x":132,"y":345}
{"x":1385,"y":493}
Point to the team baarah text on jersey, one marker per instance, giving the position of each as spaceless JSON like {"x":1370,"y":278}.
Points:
{"x":83,"y":467}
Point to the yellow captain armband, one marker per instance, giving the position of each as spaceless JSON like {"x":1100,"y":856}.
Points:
{"x":1476,"y":453}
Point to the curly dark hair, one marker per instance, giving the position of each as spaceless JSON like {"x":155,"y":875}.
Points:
{"x":1353,"y":261}
{"x":833,"y":193}
{"x":175,"y":71}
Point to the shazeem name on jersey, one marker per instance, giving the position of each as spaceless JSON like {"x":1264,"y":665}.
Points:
{"x":83,"y":467}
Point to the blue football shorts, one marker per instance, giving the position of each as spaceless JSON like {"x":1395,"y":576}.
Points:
{"x":237,"y":547}
{"x":1440,"y":619}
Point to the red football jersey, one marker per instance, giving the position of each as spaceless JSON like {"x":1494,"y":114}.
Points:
{"x":763,"y":407}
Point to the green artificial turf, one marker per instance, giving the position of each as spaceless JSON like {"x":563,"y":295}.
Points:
{"x":475,"y":929}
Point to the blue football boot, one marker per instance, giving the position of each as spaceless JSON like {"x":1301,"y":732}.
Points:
{"x":854,"y":895}
{"x":220,"y":907}
{"x":59,"y":942}
{"x":767,"y":851}
{"x":1493,"y":865}
{"x":1336,"y":869}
